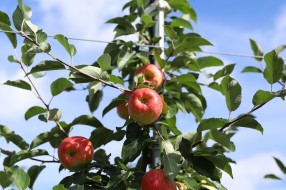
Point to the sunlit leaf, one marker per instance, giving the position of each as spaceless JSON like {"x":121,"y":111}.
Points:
{"x":211,"y":123}
{"x":257,"y":50}
{"x":249,"y":122}
{"x":274,"y":67}
{"x":104,"y":62}
{"x":261,"y":97}
{"x":47,"y":66}
{"x":10,"y":136}
{"x":33,"y":111}
{"x":232,"y":92}
{"x":60,"y":85}
{"x":209,"y":61}
{"x":251,"y":69}
{"x":33,"y":173}
{"x":70,"y":48}
{"x":19,"y":84}
{"x":20,"y":178}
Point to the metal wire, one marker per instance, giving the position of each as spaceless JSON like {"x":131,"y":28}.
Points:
{"x":151,"y":46}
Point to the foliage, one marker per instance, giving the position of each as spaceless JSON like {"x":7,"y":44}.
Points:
{"x":196,"y":158}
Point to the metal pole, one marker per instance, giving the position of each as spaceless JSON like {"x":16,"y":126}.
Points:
{"x":159,"y":32}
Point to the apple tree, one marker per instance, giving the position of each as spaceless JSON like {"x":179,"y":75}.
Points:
{"x":150,"y":102}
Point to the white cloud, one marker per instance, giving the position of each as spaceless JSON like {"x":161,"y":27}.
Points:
{"x":81,"y":19}
{"x":248,"y":173}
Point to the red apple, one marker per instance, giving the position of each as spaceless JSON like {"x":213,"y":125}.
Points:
{"x":152,"y":74}
{"x":145,"y":105}
{"x":75,"y":152}
{"x":122,"y":109}
{"x":156,"y":180}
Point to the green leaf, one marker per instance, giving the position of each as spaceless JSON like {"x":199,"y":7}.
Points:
{"x":171,"y":159}
{"x":24,"y":154}
{"x":26,"y":10}
{"x":19,"y":84}
{"x":90,"y":74}
{"x":232,"y":92}
{"x":191,"y":44}
{"x":209,"y":61}
{"x":55,"y":114}
{"x":211,"y":123}
{"x":10,"y":136}
{"x":261,"y":97}
{"x":100,"y":136}
{"x":20,"y":178}
{"x":60,"y":85}
{"x":272,"y":176}
{"x":249,"y":122}
{"x":70,"y":48}
{"x":123,"y":58}
{"x":117,"y":181}
{"x":89,"y":120}
{"x":47,"y":66}
{"x":5,"y":25}
{"x":251,"y":69}
{"x":170,"y":32}
{"x":221,"y":138}
{"x":104,"y":62}
{"x":136,"y":139}
{"x":180,"y":22}
{"x":221,"y":162}
{"x":116,"y":79}
{"x":33,"y":173}
{"x":205,"y":167}
{"x":27,"y":55}
{"x":257,"y":50}
{"x":6,"y":178}
{"x":147,"y":21}
{"x":279,"y":49}
{"x":113,"y":104}
{"x":224,"y":71}
{"x":94,"y":95}
{"x":193,"y":104}
{"x":33,"y":111}
{"x":45,"y":137}
{"x":274,"y":67}
{"x":280,"y":165}
{"x":59,"y":187}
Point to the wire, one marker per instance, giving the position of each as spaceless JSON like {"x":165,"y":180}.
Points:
{"x":151,"y":46}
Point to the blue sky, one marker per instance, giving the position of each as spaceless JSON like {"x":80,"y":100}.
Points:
{"x":227,"y":24}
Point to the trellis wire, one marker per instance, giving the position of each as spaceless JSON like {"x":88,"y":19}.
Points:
{"x":153,"y":46}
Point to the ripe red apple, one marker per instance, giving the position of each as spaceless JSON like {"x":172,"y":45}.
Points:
{"x":145,"y":105}
{"x":122,"y":109}
{"x":156,"y":180}
{"x":152,"y":74}
{"x":75,"y":152}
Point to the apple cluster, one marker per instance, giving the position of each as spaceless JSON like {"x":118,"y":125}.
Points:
{"x":144,"y":105}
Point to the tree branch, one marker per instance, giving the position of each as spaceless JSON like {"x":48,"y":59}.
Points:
{"x":76,"y":69}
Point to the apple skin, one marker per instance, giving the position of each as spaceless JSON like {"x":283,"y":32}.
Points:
{"x":75,"y":152}
{"x":152,"y":74}
{"x":122,"y":109}
{"x":145,"y":106}
{"x":156,"y":180}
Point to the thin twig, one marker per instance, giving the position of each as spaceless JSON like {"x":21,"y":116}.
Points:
{"x":31,"y":82}
{"x":45,"y":161}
